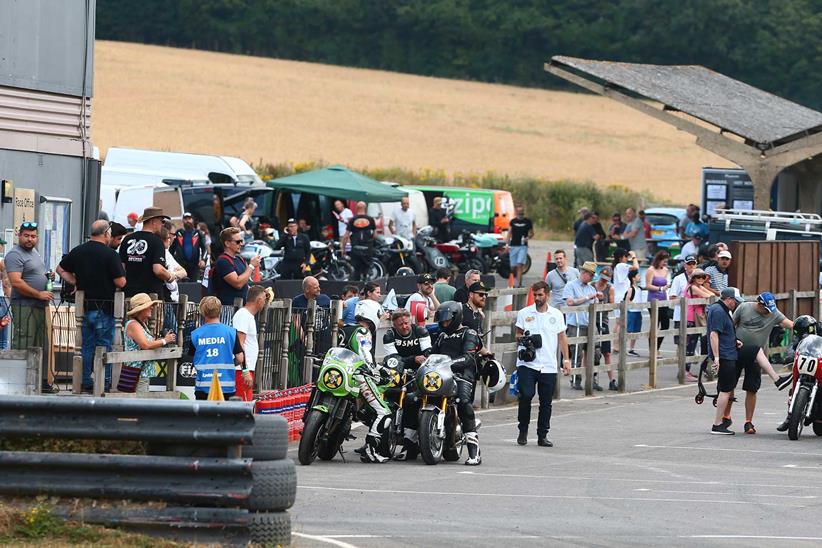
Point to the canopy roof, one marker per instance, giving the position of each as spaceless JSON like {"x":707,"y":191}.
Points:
{"x":339,"y":182}
{"x":760,"y":117}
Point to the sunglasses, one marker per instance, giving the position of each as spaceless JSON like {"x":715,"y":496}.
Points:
{"x":237,"y":241}
{"x":28,"y":224}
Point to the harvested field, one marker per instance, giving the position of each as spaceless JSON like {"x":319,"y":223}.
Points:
{"x":285,"y":111}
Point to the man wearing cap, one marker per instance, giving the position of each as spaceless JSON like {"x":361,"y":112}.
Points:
{"x":754,"y":322}
{"x":692,"y":247}
{"x":143,"y":255}
{"x":676,"y":291}
{"x":472,"y":314}
{"x":723,"y":351}
{"x":132,"y":219}
{"x":29,"y":297}
{"x":425,"y":296}
{"x":297,"y":248}
{"x":580,"y":292}
{"x":718,"y":273}
{"x":188,"y":248}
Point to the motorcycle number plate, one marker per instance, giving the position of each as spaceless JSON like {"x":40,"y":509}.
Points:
{"x":440,"y":261}
{"x":806,"y":365}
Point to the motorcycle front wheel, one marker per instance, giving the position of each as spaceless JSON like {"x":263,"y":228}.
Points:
{"x":341,"y":270}
{"x":331,"y":445}
{"x":312,"y":433}
{"x":376,"y":270}
{"x":798,"y":413}
{"x":431,"y":444}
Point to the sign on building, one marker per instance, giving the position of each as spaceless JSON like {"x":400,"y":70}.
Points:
{"x":726,"y":188}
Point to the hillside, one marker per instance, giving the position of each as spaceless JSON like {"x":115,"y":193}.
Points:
{"x":285,"y":111}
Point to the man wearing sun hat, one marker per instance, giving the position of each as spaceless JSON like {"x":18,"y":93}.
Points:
{"x":580,"y":292}
{"x":754,"y":322}
{"x":143,"y":255}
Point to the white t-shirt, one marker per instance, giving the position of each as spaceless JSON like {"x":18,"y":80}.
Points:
{"x":547,"y":324}
{"x":689,"y":249}
{"x":403,"y":222}
{"x":172,"y":265}
{"x":342,"y":220}
{"x":621,"y":283}
{"x":678,"y":285}
{"x":244,"y":322}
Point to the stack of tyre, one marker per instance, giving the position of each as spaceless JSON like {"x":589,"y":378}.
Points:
{"x":274,"y":481}
{"x":274,"y":478}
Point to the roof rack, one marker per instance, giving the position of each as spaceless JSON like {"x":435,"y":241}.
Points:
{"x":768,"y":220}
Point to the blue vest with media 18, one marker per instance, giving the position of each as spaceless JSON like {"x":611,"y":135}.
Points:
{"x":214,"y":353}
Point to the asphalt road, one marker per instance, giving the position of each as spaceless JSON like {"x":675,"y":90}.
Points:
{"x":638,"y":469}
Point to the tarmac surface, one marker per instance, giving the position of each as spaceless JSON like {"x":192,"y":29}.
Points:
{"x":637,"y":469}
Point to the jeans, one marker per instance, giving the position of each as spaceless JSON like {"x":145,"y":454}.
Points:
{"x":98,"y":330}
{"x":530,"y":382}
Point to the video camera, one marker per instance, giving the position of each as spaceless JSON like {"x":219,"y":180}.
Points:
{"x":529,"y":344}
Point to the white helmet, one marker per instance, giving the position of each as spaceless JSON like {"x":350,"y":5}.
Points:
{"x":370,"y":311}
{"x":494,"y":376}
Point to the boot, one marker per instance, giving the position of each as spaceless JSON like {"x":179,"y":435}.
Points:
{"x":784,"y":426}
{"x":474,"y":455}
{"x":410,"y":449}
{"x":372,"y":450}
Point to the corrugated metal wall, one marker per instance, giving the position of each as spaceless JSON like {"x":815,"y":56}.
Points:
{"x":43,"y":122}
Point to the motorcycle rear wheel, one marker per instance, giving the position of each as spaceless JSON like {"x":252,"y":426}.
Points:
{"x":431,"y":445}
{"x":376,"y":270}
{"x":310,"y":440}
{"x":798,"y":413}
{"x":342,"y":270}
{"x":410,"y":262}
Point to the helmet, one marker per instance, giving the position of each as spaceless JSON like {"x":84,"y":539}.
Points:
{"x":449,"y":311}
{"x":804,"y":325}
{"x":493,"y":375}
{"x":369,"y":311}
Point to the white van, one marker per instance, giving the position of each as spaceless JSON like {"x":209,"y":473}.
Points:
{"x":131,"y":168}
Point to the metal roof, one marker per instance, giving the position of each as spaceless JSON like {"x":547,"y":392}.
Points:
{"x":729,"y":104}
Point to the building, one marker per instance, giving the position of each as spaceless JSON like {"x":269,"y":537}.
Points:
{"x":46,"y":85}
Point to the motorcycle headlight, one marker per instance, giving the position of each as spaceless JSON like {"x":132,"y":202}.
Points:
{"x":333,"y":378}
{"x":432,"y":382}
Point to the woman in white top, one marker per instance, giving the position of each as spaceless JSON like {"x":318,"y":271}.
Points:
{"x":621,"y":283}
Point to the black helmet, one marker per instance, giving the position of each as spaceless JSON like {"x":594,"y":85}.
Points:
{"x":451,"y":312}
{"x":804,"y":325}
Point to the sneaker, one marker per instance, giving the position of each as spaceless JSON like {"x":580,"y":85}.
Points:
{"x":633,"y":353}
{"x":522,"y":439}
{"x":612,"y":385}
{"x":783,"y":427}
{"x":576,"y":386}
{"x":783,"y":382}
{"x":727,"y":422}
{"x":597,"y":387}
{"x":689,"y":377}
{"x":749,"y":428}
{"x":545,"y":442}
{"x":721,"y":430}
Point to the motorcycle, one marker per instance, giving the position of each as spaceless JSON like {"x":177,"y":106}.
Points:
{"x":440,"y":430}
{"x":398,"y":255}
{"x":269,"y":256}
{"x":463,"y":253}
{"x":325,"y":261}
{"x":398,"y":384}
{"x":502,"y":264}
{"x":430,"y":257}
{"x":805,"y":408}
{"x":333,"y":405}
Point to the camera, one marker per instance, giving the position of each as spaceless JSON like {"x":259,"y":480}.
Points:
{"x":529,"y":344}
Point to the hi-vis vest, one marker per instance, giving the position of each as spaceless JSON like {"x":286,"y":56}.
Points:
{"x":214,"y":353}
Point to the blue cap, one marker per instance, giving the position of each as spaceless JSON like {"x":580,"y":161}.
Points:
{"x":768,"y":300}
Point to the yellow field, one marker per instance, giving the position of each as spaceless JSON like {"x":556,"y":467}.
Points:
{"x":287,"y":111}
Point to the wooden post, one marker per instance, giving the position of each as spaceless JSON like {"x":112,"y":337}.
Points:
{"x":282,"y":381}
{"x":259,"y":370}
{"x":308,"y":361}
{"x":152,"y":321}
{"x":99,"y":374}
{"x":336,"y":318}
{"x":119,"y":314}
{"x":589,"y":349}
{"x":681,"y":353}
{"x":792,"y":304}
{"x":77,"y":359}
{"x":653,"y":353}
{"x":623,"y":345}
{"x":171,"y":365}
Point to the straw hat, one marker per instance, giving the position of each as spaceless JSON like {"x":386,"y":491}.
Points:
{"x":697,"y":273}
{"x":140,"y":302}
{"x":589,"y":266}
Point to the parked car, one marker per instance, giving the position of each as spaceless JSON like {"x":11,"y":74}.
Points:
{"x":664,"y":223}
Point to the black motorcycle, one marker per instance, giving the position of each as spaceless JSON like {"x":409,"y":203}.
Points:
{"x":429,"y":256}
{"x":325,"y":261}
{"x":440,"y":430}
{"x":397,"y":255}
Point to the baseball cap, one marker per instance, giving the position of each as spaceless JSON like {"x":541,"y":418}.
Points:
{"x":731,"y":292}
{"x":291,"y":221}
{"x":690,"y":259}
{"x":133,"y":215}
{"x":187,"y":214}
{"x":724,"y":255}
{"x":768,"y":300}
{"x":425,"y":278}
{"x":478,"y":287}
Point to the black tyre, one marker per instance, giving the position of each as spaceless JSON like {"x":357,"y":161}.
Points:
{"x":504,"y":266}
{"x":274,"y":485}
{"x":183,"y":450}
{"x":817,"y":428}
{"x":270,"y":528}
{"x":312,"y":432}
{"x":342,"y":270}
{"x":473,"y":263}
{"x":431,"y":445}
{"x":330,"y":443}
{"x":270,"y":440}
{"x":798,"y":413}
{"x":453,"y":454}
{"x":527,"y":265}
{"x":376,"y":270}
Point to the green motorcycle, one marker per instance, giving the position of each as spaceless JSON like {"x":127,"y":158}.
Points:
{"x":333,"y":405}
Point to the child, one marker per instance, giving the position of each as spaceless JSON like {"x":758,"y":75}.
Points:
{"x":216,"y":349}
{"x":634,"y":295}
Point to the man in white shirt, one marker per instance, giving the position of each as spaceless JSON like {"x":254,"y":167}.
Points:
{"x":403,"y":222}
{"x":537,"y":371}
{"x":692,"y":247}
{"x":678,"y":285}
{"x":428,"y":303}
{"x":246,"y":326}
{"x":343,"y":215}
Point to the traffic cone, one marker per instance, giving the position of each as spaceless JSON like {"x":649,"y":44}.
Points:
{"x":215,"y":393}
{"x":545,"y":270}
{"x":508,"y":300}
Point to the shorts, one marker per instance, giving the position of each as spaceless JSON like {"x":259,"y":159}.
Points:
{"x":605,"y":346}
{"x":728,"y":375}
{"x":574,"y":331}
{"x":518,"y":254}
{"x":747,"y":362}
{"x":634,"y":321}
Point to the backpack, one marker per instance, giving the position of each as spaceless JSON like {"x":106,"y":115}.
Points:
{"x":213,"y":288}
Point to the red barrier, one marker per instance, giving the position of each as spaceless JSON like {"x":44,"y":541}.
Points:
{"x":290,"y":403}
